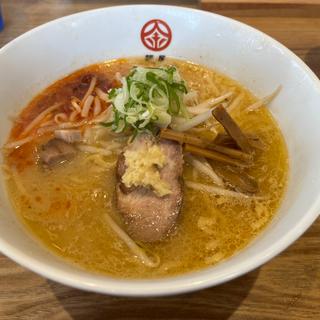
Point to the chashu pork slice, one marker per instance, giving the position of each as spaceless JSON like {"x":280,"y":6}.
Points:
{"x":148,"y":216}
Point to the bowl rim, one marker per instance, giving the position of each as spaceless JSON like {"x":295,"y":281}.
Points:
{"x":188,"y":282}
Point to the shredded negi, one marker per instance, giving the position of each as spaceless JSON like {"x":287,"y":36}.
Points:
{"x":148,"y":99}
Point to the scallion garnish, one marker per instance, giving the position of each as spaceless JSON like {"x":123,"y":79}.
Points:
{"x":148,"y":99}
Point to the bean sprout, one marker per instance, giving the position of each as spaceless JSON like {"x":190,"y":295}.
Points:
{"x":136,"y":250}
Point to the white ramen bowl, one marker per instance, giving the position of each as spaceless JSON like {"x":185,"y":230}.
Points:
{"x":41,"y":56}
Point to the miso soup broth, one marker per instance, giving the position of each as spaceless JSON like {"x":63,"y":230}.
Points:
{"x":67,"y":203}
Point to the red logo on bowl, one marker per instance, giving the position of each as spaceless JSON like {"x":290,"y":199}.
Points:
{"x":156,"y":35}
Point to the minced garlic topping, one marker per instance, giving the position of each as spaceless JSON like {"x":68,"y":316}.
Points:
{"x":142,"y":169}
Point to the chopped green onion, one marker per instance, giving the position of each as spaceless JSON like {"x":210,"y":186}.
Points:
{"x":148,"y":99}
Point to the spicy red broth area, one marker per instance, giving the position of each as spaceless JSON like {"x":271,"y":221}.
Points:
{"x":77,"y":178}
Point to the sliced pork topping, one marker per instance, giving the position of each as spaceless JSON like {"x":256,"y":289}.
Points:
{"x":151,"y":202}
{"x":56,"y":151}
